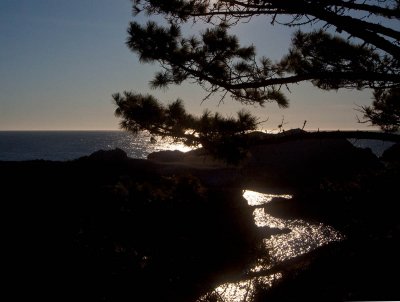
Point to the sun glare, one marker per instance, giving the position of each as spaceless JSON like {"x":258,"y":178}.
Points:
{"x":173,"y":146}
{"x":255,"y":199}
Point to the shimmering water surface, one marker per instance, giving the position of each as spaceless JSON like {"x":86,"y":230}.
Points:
{"x":241,"y":291}
{"x":68,"y":145}
{"x":302,"y":238}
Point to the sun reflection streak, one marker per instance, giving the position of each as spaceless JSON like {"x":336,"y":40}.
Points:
{"x":242,"y":291}
{"x":257,"y":199}
{"x":173,"y":146}
{"x":302,"y":238}
{"x":160,"y":144}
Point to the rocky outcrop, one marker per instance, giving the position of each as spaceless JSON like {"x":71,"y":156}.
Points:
{"x":281,"y":165}
{"x":166,"y":156}
{"x":108,"y":155}
{"x":392,"y":154}
{"x":301,"y":162}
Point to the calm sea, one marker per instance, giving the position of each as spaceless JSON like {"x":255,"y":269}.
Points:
{"x":67,"y":145}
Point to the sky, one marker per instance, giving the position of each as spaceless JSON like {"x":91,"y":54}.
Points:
{"x":60,"y":62}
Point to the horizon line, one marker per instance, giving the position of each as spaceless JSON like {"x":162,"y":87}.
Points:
{"x":57,"y":130}
{"x":122,"y":130}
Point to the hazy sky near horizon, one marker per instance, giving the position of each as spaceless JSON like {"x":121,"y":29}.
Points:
{"x":60,"y":62}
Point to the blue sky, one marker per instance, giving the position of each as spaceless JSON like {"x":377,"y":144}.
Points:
{"x":60,"y":62}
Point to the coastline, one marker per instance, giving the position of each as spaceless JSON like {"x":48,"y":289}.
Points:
{"x":121,"y":221}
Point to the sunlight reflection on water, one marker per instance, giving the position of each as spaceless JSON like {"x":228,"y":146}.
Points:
{"x":241,"y":291}
{"x":70,"y":145}
{"x":141,"y":146}
{"x":302,"y":238}
{"x":165,"y":144}
{"x":257,"y":199}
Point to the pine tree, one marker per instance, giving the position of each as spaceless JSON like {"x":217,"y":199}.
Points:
{"x":352,"y":44}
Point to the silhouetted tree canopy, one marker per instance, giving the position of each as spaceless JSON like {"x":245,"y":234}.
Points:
{"x":352,"y":44}
{"x":385,"y":110}
{"x":221,"y":136}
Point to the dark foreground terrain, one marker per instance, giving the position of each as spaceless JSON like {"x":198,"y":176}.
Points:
{"x":115,"y":230}
{"x":110,"y":228}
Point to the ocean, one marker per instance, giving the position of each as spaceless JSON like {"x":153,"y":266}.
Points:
{"x":69,"y":145}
